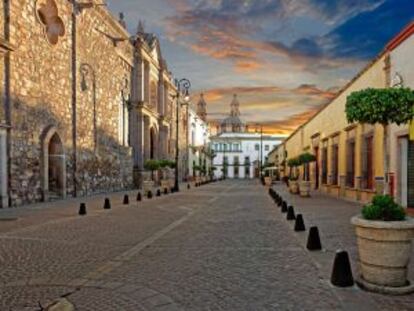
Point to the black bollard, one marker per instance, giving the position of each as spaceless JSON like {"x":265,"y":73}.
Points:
{"x":290,"y":213}
{"x":188,"y":186}
{"x":172,"y":189}
{"x":284,"y":207}
{"x":149,"y":194}
{"x":158,"y":193}
{"x":314,"y":241}
{"x":139,"y":196}
{"x":165,"y":191}
{"x":342,"y":273}
{"x":82,"y":209}
{"x":107,"y":204}
{"x":299,"y":224}
{"x":126,"y":199}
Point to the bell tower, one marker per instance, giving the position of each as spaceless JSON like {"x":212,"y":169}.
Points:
{"x":202,"y":108}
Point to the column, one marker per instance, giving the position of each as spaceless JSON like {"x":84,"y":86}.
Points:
{"x":161,"y":104}
{"x":147,"y":139}
{"x":137,"y":89}
{"x":146,"y":82}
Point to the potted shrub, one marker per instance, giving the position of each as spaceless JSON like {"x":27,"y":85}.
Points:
{"x":197,"y":171}
{"x":305,"y":185}
{"x":150,"y":165}
{"x":293,"y":175}
{"x":384,"y":235}
{"x":165,"y":165}
{"x":267,"y":177}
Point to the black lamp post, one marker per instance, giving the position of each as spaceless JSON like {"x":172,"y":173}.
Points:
{"x":261,"y":149}
{"x":183,"y":86}
{"x":126,"y":103}
{"x":77,"y":8}
{"x":86,"y":70}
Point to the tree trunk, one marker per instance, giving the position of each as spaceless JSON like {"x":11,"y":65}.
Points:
{"x":386,"y":189}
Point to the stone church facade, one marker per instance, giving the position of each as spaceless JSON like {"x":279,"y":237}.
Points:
{"x":83,"y":103}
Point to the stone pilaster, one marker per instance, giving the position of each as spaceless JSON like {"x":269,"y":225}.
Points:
{"x":379,"y":185}
{"x":358,"y":180}
{"x":342,"y":185}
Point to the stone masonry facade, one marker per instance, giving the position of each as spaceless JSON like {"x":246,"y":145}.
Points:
{"x":69,"y":105}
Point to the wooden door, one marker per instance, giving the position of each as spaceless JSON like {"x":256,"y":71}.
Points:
{"x":316,"y":151}
{"x":370,"y":170}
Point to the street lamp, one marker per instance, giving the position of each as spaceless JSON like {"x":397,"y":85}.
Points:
{"x":126,"y":103}
{"x":261,"y":149}
{"x":183,"y":86}
{"x":77,"y":8}
{"x":86,"y":70}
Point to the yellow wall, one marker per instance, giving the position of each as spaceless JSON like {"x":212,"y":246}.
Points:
{"x":332,"y":120}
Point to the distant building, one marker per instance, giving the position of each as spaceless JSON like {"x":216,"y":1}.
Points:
{"x":240,"y":153}
{"x":199,"y":161}
{"x":233,"y":123}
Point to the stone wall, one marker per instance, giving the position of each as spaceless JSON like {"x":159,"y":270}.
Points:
{"x":41,"y":103}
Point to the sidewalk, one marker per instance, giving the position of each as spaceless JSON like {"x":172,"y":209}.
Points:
{"x":23,"y":216}
{"x":332,"y":217}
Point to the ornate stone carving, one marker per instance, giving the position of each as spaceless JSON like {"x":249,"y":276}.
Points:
{"x":48,"y":15}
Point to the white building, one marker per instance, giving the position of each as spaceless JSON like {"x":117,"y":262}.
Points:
{"x":199,"y":161}
{"x":239,"y":153}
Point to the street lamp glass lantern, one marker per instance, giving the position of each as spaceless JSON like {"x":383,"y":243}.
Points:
{"x":186,"y":96}
{"x":84,"y":86}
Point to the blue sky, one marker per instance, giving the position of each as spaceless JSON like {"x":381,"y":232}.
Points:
{"x":284,"y":58}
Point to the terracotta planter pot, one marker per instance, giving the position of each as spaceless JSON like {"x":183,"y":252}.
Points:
{"x":268,"y":181}
{"x":305,"y":187}
{"x":148,"y":185}
{"x":294,"y":186}
{"x":165,"y":183}
{"x":384,"y":253}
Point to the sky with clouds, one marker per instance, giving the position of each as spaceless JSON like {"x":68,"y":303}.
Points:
{"x":284,"y":58}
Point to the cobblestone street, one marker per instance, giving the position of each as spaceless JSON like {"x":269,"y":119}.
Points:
{"x":223,"y":246}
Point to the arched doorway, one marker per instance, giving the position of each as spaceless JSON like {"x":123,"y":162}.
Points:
{"x":53,"y":166}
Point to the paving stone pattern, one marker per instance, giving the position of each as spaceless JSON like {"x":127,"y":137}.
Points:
{"x":223,"y":246}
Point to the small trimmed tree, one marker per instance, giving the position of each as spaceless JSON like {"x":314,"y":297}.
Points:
{"x":383,"y":106}
{"x":152,"y":165}
{"x":305,"y":159}
{"x":293,"y":163}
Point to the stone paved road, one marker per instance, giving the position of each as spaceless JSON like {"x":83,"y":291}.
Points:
{"x":223,"y":246}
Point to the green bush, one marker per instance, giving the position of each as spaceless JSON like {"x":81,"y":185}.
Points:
{"x":166,"y":163}
{"x":152,"y":165}
{"x":383,"y":207}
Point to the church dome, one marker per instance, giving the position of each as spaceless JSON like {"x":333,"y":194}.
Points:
{"x":233,"y":123}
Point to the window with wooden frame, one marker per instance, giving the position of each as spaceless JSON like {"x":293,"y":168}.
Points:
{"x":367,"y":161}
{"x":335,"y":160}
{"x":324,"y":163}
{"x":350,"y":159}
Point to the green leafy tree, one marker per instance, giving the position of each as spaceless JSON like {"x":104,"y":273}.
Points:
{"x":383,"y":106}
{"x":305,"y":159}
{"x":152,"y":165}
{"x":293,"y":164}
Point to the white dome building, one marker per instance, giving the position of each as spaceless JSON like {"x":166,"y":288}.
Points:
{"x":233,"y":123}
